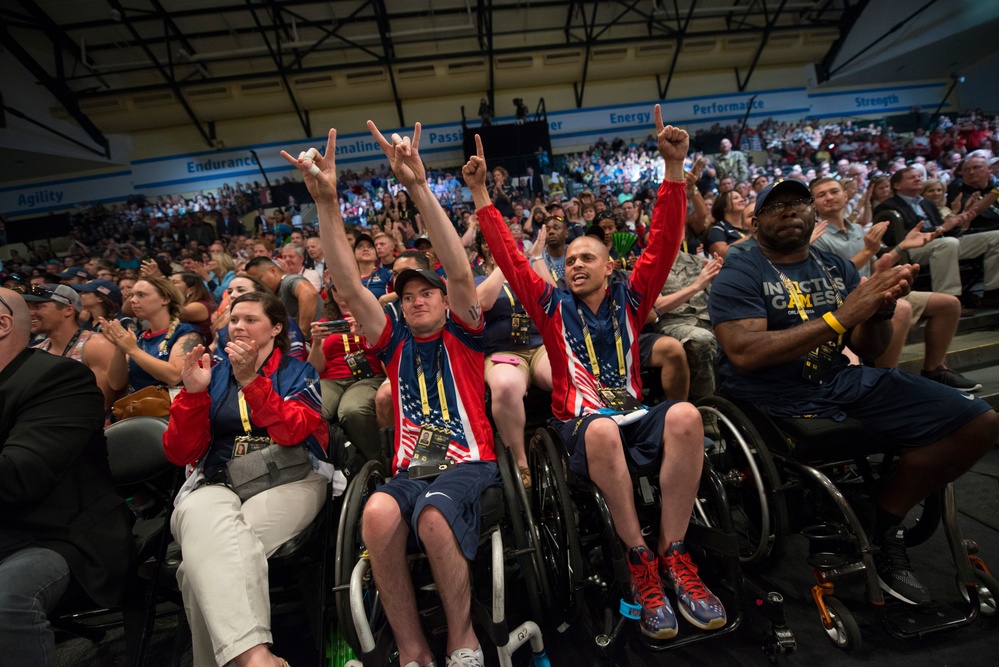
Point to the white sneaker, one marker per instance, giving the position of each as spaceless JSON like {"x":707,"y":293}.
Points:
{"x":466,"y":657}
{"x":416,"y":664}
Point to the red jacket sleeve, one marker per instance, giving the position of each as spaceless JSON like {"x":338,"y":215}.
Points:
{"x":287,"y":422}
{"x":188,"y":432}
{"x":665,"y":235}
{"x":527,"y":285}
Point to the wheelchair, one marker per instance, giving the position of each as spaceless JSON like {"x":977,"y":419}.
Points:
{"x":587,"y":563}
{"x":818,"y":477}
{"x":507,"y":530}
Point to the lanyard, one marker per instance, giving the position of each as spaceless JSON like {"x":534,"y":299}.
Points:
{"x":346,"y":343}
{"x":422,"y":381}
{"x":594,"y":364}
{"x":72,"y":342}
{"x":244,"y":414}
{"x":509,"y":295}
{"x":794,"y":294}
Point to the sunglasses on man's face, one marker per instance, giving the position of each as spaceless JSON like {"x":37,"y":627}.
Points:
{"x":778,"y":207}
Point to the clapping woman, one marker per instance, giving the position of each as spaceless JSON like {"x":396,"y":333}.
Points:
{"x":156,"y":356}
{"x":255,"y":395}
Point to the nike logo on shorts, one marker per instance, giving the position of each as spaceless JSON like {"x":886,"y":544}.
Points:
{"x":437,"y":493}
{"x":968,"y":396}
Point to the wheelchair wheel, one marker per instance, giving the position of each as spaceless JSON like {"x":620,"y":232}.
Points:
{"x":988,"y":592}
{"x":349,"y":548}
{"x":525,"y":533}
{"x":554,"y":512}
{"x":844,"y":633}
{"x":742,"y":460}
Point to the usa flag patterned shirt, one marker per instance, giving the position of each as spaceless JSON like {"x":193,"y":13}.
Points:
{"x":556,"y":312}
{"x":456,"y":351}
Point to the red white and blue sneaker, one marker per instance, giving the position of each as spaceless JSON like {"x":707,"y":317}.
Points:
{"x":699,"y":606}
{"x":657,"y":619}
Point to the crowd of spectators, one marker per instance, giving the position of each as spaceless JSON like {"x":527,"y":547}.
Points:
{"x":156,"y":277}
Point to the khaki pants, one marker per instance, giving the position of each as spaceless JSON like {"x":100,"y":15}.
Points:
{"x":942,"y":255}
{"x":225,"y":545}
{"x":352,"y":403}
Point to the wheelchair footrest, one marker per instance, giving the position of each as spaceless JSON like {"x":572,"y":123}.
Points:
{"x":907,"y":621}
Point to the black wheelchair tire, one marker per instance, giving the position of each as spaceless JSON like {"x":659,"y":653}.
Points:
{"x":554,"y":512}
{"x":349,"y":544}
{"x":758,"y":549}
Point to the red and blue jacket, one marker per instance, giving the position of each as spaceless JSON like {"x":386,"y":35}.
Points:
{"x":556,"y":312}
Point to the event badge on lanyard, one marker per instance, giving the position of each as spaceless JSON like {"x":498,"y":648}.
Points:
{"x":818,"y":362}
{"x":617,"y":398}
{"x":245,"y":444}
{"x":357,"y":362}
{"x":520,"y":323}
{"x":433,"y":441}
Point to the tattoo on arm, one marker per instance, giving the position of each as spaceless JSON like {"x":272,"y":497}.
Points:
{"x":476,"y":312}
{"x":189,"y":342}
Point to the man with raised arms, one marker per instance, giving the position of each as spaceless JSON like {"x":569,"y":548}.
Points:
{"x":591,"y":333}
{"x":435,"y":362}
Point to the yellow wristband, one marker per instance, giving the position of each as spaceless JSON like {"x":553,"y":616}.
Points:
{"x":834,"y":324}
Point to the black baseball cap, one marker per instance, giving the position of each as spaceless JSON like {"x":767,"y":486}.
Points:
{"x":426,"y":274}
{"x":366,"y":238}
{"x":785,"y":184}
{"x":423,"y":239}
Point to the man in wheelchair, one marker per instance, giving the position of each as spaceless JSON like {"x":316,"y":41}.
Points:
{"x":591,"y":332}
{"x":435,"y":363}
{"x":783,"y":312}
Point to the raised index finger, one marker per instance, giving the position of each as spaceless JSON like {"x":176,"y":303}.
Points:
{"x":417,"y":130}
{"x":331,"y":144}
{"x":478,"y":147}
{"x":386,"y":146}
{"x":658,"y":113}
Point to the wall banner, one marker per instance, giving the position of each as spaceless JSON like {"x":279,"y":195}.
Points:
{"x":442,"y":143}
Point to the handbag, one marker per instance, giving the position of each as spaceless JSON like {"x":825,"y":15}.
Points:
{"x":147,"y":402}
{"x":264,"y":468}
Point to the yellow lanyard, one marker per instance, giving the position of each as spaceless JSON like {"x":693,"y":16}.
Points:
{"x":591,"y":352}
{"x":509,"y":295}
{"x":244,"y":413}
{"x":422,"y":381}
{"x":346,"y":342}
{"x":797,"y":299}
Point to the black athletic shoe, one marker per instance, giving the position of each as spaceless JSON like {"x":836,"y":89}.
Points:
{"x":946,"y":376}
{"x":894,"y":569}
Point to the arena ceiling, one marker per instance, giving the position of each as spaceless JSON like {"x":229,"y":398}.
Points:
{"x":108,"y":63}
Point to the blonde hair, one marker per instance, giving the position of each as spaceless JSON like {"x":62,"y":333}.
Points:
{"x":225,"y":262}
{"x":168,"y":290}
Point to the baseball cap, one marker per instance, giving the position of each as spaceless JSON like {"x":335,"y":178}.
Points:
{"x":423,"y":238}
{"x":595,"y":231}
{"x":75,"y":272}
{"x":409,"y":274}
{"x":364,"y":237}
{"x":786,"y":184}
{"x":63,"y":294}
{"x":105,"y":287}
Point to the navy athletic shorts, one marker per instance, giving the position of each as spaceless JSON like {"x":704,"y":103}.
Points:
{"x":454,"y":493}
{"x":643,"y":439}
{"x":904,"y":408}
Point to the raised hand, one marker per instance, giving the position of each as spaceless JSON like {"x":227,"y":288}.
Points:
{"x":197,"y":371}
{"x":709,"y":271}
{"x":872,"y":239}
{"x":318,"y":171}
{"x":818,"y":231}
{"x":673,"y":142}
{"x":243,"y":357}
{"x":403,"y":154}
{"x":474,"y":171}
{"x":118,"y":335}
{"x":878,"y":293}
{"x":540,"y":242}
